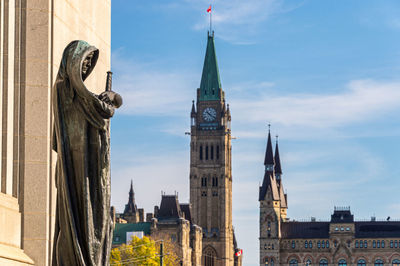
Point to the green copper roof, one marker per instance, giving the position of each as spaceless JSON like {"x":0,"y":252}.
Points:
{"x":120,"y":231}
{"x":210,"y":85}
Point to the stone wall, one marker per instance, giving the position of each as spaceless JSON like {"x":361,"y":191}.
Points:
{"x":33,"y":35}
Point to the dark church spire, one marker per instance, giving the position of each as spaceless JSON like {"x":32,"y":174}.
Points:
{"x":278,"y":169}
{"x":131,"y":206}
{"x":269,"y":156}
{"x":210,"y":86}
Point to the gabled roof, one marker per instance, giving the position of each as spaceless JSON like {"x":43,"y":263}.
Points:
{"x":187,"y":210}
{"x":210,"y":84}
{"x":269,"y":182}
{"x":282,"y":197}
{"x":169,"y":207}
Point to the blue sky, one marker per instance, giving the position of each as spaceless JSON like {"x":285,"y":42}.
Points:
{"x":325,"y":74}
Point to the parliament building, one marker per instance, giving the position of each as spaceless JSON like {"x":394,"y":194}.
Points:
{"x":341,"y":241}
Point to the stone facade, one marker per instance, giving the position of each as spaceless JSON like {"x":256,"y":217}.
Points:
{"x":33,"y":35}
{"x":341,"y":241}
{"x":172,"y":221}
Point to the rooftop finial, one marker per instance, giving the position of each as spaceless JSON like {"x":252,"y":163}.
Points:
{"x":269,"y":127}
{"x":276,"y":137}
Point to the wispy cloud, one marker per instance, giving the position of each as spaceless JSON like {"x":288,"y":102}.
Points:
{"x":236,"y":20}
{"x":360,"y":101}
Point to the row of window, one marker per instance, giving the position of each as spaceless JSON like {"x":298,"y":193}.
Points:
{"x":309,"y":244}
{"x":377,"y":244}
{"x":214,"y":181}
{"x":342,"y":262}
{"x":209,"y":153}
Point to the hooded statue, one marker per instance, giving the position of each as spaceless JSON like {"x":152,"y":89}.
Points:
{"x":83,"y":230}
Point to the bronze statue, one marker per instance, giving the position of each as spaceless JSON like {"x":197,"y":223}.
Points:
{"x":83,"y":230}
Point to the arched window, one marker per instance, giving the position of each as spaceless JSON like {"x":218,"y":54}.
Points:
{"x":365,"y":244}
{"x":361,"y":263}
{"x":356,"y":244}
{"x":323,"y":262}
{"x":319,"y":244}
{"x":374,"y":244}
{"x":308,"y":262}
{"x":293,"y":262}
{"x":383,"y":243}
{"x":378,"y":244}
{"x":201,"y":152}
{"x":209,"y":257}
{"x":272,"y":262}
{"x":293,"y":244}
{"x":391,"y":243}
{"x":396,"y":262}
{"x":378,"y":262}
{"x":323,"y":244}
{"x":310,"y":244}
{"x":361,"y":244}
{"x":342,"y":263}
{"x":212,"y":152}
{"x":327,"y":243}
{"x":306,"y":244}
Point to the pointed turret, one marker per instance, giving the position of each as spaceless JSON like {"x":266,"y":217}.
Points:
{"x":269,"y":156}
{"x":131,"y":206}
{"x":278,"y":169}
{"x":193,"y":112}
{"x":210,"y":86}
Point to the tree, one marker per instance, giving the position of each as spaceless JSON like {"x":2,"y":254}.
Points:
{"x":138,"y":252}
{"x":146,"y":251}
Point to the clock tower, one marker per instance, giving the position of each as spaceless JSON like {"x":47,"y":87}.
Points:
{"x":211,"y":165}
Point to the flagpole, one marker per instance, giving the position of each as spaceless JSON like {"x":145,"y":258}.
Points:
{"x":210,"y":19}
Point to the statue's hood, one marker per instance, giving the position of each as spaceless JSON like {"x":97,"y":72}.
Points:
{"x":72,"y":61}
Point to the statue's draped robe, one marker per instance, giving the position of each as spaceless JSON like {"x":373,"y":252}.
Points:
{"x":83,"y":231}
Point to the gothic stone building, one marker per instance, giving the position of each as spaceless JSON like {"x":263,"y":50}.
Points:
{"x":211,"y":166}
{"x":172,"y":221}
{"x":340,"y":241}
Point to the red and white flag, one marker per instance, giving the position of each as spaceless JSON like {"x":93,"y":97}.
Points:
{"x":209,"y":9}
{"x":239,"y":253}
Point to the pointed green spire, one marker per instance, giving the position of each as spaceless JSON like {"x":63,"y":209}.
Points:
{"x":210,"y":85}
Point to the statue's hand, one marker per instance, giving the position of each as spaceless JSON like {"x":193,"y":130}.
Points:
{"x":111,"y":98}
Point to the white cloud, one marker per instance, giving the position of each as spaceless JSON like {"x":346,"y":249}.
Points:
{"x":362,"y":100}
{"x":237,"y":20}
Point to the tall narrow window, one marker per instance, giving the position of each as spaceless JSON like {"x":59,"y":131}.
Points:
{"x":306,"y":244}
{"x":212,"y":152}
{"x":310,"y":244}
{"x":374,"y":244}
{"x":217,"y":152}
{"x":206,"y":152}
{"x":323,"y":244}
{"x":391,"y":243}
{"x":201,"y":152}
{"x":365,"y":244}
{"x":383,"y":244}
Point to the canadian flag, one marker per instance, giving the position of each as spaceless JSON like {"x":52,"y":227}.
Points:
{"x":239,"y":253}
{"x":209,"y":9}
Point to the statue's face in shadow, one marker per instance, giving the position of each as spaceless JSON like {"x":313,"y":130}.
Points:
{"x":87,"y":63}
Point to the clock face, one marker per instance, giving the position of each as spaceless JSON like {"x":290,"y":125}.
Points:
{"x":209,"y":114}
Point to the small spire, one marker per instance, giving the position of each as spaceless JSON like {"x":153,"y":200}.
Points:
{"x":193,"y":108}
{"x":278,"y":169}
{"x":269,"y":156}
